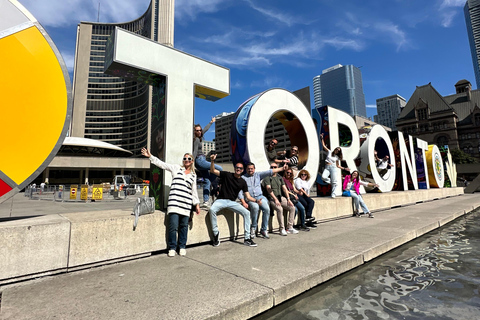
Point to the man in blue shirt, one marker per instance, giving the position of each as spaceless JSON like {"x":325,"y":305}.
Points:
{"x":254,"y":180}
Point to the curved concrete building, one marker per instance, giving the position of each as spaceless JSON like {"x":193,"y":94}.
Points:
{"x":112,"y":109}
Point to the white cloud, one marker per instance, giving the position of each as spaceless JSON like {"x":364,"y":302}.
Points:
{"x":275,"y":15}
{"x":61,"y":13}
{"x":373,"y":106}
{"x":340,"y":43}
{"x":452,"y":3}
{"x":447,"y":18}
{"x":394,"y":33}
{"x":189,"y":9}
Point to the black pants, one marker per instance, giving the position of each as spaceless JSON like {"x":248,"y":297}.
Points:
{"x":308,"y":203}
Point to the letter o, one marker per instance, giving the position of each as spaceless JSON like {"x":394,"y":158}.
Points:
{"x":248,"y":129}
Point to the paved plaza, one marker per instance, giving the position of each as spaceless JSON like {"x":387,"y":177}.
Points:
{"x":227,"y":282}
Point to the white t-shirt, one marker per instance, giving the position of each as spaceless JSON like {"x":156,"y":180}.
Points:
{"x":302,"y":184}
{"x":331,"y":159}
{"x":382,"y":164}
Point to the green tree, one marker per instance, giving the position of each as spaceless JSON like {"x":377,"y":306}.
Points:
{"x":460,"y":157}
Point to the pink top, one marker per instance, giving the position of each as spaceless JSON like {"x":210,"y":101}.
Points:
{"x":356,"y":184}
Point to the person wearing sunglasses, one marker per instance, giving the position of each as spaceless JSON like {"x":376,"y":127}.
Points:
{"x":292,"y":193}
{"x":203,"y":166}
{"x":303,"y":187}
{"x":332,"y":162}
{"x":292,"y":160}
{"x":231,"y":184}
{"x":279,"y":199}
{"x":253,"y":180}
{"x":183,"y":195}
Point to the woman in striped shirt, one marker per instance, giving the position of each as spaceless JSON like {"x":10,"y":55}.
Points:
{"x":183,"y":195}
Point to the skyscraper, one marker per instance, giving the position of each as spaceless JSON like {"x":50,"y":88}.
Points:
{"x":472,"y":19}
{"x":112,"y":109}
{"x":340,"y":87}
{"x":388,"y":109}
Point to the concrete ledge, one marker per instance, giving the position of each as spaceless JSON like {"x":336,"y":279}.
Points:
{"x":106,"y":235}
{"x":55,"y":242}
{"x":33,"y":246}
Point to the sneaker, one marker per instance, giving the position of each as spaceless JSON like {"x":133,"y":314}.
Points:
{"x":183,"y":251}
{"x":292,"y":231}
{"x":206,"y":205}
{"x":356,"y":214}
{"x":171,"y":253}
{"x":304,"y":228}
{"x":252,"y":233}
{"x":216,"y":240}
{"x":333,"y":196}
{"x":264,"y":234}
{"x":370,"y":215}
{"x":310,"y":219}
{"x":311,"y":225}
{"x":249,"y":242}
{"x":283,"y":232}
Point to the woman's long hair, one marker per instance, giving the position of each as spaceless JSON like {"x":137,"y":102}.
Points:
{"x":357,"y":179}
{"x":289,"y":178}
{"x":339,"y":153}
{"x":303,"y":171}
{"x":192,"y":167}
{"x":201,"y":134}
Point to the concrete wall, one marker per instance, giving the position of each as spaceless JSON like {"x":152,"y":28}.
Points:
{"x":56,"y":243}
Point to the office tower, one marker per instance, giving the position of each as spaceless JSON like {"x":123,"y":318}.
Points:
{"x":472,"y":19}
{"x":388,"y":110}
{"x":207,"y":146}
{"x":340,"y":87}
{"x":112,"y":109}
{"x":223,"y":126}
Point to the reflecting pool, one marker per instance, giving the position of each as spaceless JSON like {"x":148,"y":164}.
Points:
{"x":434,"y":277}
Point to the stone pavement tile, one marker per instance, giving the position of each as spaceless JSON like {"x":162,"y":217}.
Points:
{"x":153,"y":288}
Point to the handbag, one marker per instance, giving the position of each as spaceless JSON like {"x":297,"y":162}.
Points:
{"x":346,"y":193}
{"x":143,"y":206}
{"x":292,"y":198}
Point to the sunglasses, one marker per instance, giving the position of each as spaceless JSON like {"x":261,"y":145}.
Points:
{"x":303,"y":174}
{"x":238,"y":168}
{"x":187,"y":159}
{"x":296,"y":150}
{"x":198,"y":130}
{"x":288,"y":173}
{"x":273,"y":143}
{"x":272,"y":167}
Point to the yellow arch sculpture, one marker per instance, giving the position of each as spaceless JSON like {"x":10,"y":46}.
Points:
{"x":35,"y":98}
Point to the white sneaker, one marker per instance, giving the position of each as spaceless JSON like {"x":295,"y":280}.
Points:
{"x":183,"y":252}
{"x":171,"y":253}
{"x":283,"y":232}
{"x":292,"y":231}
{"x":206,"y":205}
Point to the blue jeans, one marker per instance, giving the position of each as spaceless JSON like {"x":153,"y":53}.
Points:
{"x":220,"y":204}
{"x":308,"y":204}
{"x":203,"y":166}
{"x":177,"y":222}
{"x":329,"y":175}
{"x":254,"y":208}
{"x":300,"y":208}
{"x":358,"y":201}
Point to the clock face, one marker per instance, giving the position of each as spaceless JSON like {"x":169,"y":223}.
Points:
{"x":35,"y":99}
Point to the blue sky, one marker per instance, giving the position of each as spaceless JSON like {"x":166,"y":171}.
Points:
{"x":399,"y":44}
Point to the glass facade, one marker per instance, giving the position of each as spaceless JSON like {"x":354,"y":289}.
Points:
{"x":472,"y":19}
{"x":342,"y":89}
{"x":113,"y":109}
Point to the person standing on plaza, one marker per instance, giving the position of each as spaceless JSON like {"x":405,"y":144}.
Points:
{"x":279,"y":199}
{"x":351,"y":188}
{"x":253,"y":180}
{"x":332,"y":162}
{"x":301,"y":183}
{"x":230,"y":186}
{"x":183,"y":195}
{"x":203,"y":166}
